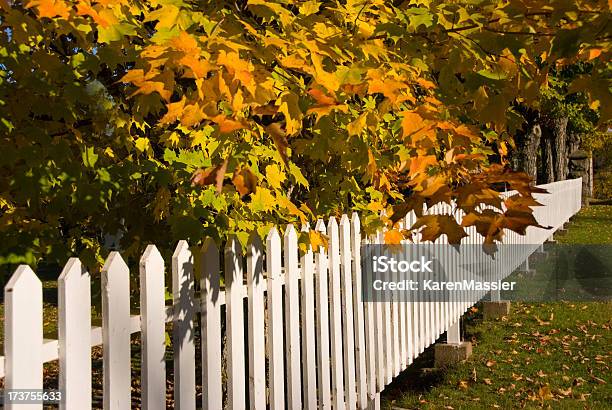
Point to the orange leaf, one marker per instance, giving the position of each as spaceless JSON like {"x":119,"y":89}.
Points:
{"x":594,"y":53}
{"x":227,"y":125}
{"x":245,"y":181}
{"x":321,"y":98}
{"x":50,"y":8}
{"x":211,"y":175}
{"x":393,"y":237}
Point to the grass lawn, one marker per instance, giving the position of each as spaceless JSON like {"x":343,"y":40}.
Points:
{"x":543,"y":355}
{"x":592,"y":225}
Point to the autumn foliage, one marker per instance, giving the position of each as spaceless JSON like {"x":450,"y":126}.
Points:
{"x":181,"y":119}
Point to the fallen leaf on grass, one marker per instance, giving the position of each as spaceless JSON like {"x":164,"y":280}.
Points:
{"x":487,"y":381}
{"x":490,"y":363}
{"x":566,"y":393}
{"x":545,"y":393}
{"x":463,"y":384}
{"x":597,"y":379}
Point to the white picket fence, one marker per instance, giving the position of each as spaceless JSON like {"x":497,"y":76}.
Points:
{"x":310,"y":341}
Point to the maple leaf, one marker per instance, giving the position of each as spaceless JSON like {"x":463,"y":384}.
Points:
{"x":245,"y":181}
{"x":432,"y":227}
{"x":213,"y":175}
{"x":227,"y":125}
{"x":393,"y":237}
{"x":50,"y":8}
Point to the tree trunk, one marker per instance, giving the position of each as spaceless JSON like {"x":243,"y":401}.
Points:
{"x":547,"y":170}
{"x":559,"y":147}
{"x":527,"y":144}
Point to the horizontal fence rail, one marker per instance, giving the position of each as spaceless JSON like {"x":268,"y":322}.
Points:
{"x":295,"y":334}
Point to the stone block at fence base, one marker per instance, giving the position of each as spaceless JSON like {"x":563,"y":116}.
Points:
{"x":495,"y":310}
{"x":538,"y":256}
{"x":446,"y":354}
{"x":526,"y":273}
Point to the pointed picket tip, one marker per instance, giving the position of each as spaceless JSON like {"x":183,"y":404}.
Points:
{"x":332,"y":225}
{"x":182,"y":247}
{"x":209,"y":247}
{"x":273,"y":235}
{"x":320,"y":226}
{"x":344,"y":220}
{"x":73,"y":270}
{"x":151,"y":255}
{"x":290,"y":232}
{"x":114,"y":263}
{"x":233,"y":246}
{"x":255,"y":240}
{"x":24,"y":277}
{"x":305,"y":227}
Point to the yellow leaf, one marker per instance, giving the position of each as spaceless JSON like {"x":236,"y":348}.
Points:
{"x":317,"y":240}
{"x":143,"y":145}
{"x":356,"y":127}
{"x":262,"y":200}
{"x":274,"y":176}
{"x":545,"y":393}
{"x":309,"y":7}
{"x":237,"y":101}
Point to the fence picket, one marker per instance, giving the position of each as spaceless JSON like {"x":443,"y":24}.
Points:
{"x":74,"y":329}
{"x":275,"y":321}
{"x":23,"y":334}
{"x":235,"y":325}
{"x":116,"y":333}
{"x":337,"y":374}
{"x":152,"y":322}
{"x":323,"y":365}
{"x":292,"y":319}
{"x":256,"y":312}
{"x":183,"y":329}
{"x":361,"y":377}
{"x":309,"y":354}
{"x":211,"y":325}
{"x":347,"y":307}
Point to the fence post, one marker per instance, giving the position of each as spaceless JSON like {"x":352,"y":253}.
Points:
{"x":23,"y":336}
{"x":74,"y":334}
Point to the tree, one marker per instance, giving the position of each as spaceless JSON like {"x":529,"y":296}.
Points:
{"x":180,"y":119}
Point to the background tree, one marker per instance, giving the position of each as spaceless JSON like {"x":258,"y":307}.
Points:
{"x":180,"y":119}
